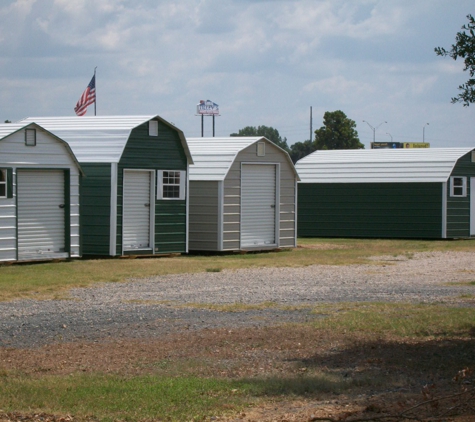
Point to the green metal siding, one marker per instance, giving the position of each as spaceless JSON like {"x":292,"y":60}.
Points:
{"x":381,"y":210}
{"x":162,"y":152}
{"x":95,"y":191}
{"x":458,"y":208}
{"x":170,"y":226}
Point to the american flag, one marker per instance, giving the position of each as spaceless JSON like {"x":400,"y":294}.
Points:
{"x":87,"y":98}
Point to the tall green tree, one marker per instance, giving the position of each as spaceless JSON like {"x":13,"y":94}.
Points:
{"x":267,"y":131}
{"x":464,"y":48}
{"x":337,"y":132}
{"x":301,"y":149}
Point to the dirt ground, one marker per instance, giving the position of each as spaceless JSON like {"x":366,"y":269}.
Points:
{"x":384,"y":376}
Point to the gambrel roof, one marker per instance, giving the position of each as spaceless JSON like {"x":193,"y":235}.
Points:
{"x":380,"y":165}
{"x":99,"y":139}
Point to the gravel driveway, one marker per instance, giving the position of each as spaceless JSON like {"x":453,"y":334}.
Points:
{"x":150,"y":308}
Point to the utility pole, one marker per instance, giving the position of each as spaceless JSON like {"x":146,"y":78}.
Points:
{"x":311,"y":129}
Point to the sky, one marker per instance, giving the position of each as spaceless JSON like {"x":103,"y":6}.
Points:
{"x":264,"y":62}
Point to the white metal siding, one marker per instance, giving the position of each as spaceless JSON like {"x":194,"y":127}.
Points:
{"x":258,"y":202}
{"x":41,"y":214}
{"x":137,"y":206}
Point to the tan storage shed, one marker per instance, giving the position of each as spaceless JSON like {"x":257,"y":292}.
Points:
{"x":242,"y":195}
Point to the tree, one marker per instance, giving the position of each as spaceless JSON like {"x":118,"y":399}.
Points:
{"x":301,"y":149}
{"x":7,"y":121}
{"x":338,"y":132}
{"x":465,"y":49}
{"x":269,"y":132}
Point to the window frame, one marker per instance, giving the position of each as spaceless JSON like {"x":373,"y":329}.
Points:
{"x":4,"y":183}
{"x":28,"y":141}
{"x":453,"y":187}
{"x":161,"y":176}
{"x":8,"y":182}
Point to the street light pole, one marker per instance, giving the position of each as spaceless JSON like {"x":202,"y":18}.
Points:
{"x":424,"y":132}
{"x":387,"y":133}
{"x":374,"y":128}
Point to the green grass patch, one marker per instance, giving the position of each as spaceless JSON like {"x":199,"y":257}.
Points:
{"x":401,"y":320}
{"x":53,"y":280}
{"x":112,"y":397}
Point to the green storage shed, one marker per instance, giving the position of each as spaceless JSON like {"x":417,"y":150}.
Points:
{"x":134,"y":196}
{"x":387,"y":193}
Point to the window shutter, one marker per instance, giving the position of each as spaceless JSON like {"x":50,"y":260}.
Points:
{"x":10,"y":183}
{"x":160,"y":184}
{"x":182,"y":184}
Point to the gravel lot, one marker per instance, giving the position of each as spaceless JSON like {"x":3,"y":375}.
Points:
{"x":150,"y":308}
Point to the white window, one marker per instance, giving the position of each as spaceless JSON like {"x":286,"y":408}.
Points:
{"x":153,"y":128}
{"x":3,"y":183}
{"x":171,"y":184}
{"x":30,"y":137}
{"x":458,"y":186}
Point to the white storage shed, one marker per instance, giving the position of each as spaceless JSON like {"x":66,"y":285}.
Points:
{"x":39,"y":195}
{"x":242,"y":195}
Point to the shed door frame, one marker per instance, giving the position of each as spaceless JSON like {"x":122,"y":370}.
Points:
{"x":471,"y":189}
{"x":62,"y":210}
{"x":276,"y":205}
{"x":151,"y":206}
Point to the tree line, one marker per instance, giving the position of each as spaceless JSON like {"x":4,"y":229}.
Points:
{"x":337,"y":132}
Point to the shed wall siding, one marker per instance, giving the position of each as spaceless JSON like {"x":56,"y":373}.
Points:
{"x":49,"y":153}
{"x":385,"y":210}
{"x":95,"y":208}
{"x":204,"y":209}
{"x":8,"y":227}
{"x":162,"y":152}
{"x":232,"y":195}
{"x":458,"y":208}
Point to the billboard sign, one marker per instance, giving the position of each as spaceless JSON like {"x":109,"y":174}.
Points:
{"x":378,"y":145}
{"x":416,"y":145}
{"x":207,"y":108}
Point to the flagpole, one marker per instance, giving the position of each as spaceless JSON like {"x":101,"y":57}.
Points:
{"x":95,"y":99}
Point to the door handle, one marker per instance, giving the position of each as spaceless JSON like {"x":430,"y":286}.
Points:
{"x":61,"y":205}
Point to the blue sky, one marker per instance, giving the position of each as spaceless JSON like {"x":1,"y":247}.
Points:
{"x":265,"y":62}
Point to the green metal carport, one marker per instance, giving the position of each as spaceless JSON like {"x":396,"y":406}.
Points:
{"x":387,"y":193}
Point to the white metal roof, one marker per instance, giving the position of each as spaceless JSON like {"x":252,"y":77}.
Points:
{"x":379,"y":165}
{"x":7,"y":129}
{"x":96,"y":139}
{"x":213,"y":157}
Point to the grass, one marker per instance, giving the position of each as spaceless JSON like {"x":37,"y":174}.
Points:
{"x":178,"y":395}
{"x":397,"y":320}
{"x":113,"y":397}
{"x":53,"y":280}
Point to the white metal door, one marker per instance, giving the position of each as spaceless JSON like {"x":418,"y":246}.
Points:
{"x":137,"y":233}
{"x":258,"y":205}
{"x":41,"y":214}
{"x":472,"y":206}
